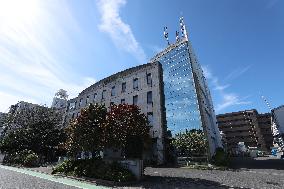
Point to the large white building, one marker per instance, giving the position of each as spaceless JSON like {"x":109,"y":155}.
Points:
{"x":171,"y":90}
{"x":142,"y":86}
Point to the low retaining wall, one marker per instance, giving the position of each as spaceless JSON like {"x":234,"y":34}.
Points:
{"x":135,"y":166}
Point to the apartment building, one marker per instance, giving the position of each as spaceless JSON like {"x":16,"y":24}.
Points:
{"x":246,"y":126}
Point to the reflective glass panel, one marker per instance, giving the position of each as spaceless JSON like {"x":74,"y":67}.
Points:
{"x":182,"y":111}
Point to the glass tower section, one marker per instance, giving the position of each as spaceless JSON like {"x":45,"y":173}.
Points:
{"x":188,"y":101}
{"x":182,"y":110}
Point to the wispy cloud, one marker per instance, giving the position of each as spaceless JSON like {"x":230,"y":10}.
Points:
{"x":120,"y":32}
{"x":237,"y":73}
{"x":231,"y":99}
{"x":227,"y":98}
{"x":8,"y":99}
{"x":155,"y":48}
{"x":31,"y":42}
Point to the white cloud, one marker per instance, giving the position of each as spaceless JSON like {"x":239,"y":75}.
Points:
{"x":32,"y":39}
{"x":237,"y":73}
{"x":227,"y":99}
{"x":8,"y":99}
{"x":120,"y":32}
{"x":230,"y":99}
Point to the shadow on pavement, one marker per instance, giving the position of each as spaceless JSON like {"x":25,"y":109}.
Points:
{"x":158,"y":182}
{"x":248,"y":163}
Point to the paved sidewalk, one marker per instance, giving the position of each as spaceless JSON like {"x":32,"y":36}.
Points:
{"x":184,"y":178}
{"x":19,"y":178}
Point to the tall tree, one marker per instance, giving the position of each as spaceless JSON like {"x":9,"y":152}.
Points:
{"x":125,"y":124}
{"x":86,"y":131}
{"x":190,"y":143}
{"x":32,"y":127}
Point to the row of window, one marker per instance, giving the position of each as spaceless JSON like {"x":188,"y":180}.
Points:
{"x":113,"y":91}
{"x":135,"y":99}
{"x":72,"y":105}
{"x":149,"y":117}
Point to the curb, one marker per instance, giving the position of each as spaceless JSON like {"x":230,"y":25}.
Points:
{"x":102,"y":182}
{"x":88,"y":179}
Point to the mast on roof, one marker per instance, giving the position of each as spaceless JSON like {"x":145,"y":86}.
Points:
{"x":183,"y":28}
{"x":166,"y":34}
{"x":177,"y":36}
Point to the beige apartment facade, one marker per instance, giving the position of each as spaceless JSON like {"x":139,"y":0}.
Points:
{"x":244,"y":126}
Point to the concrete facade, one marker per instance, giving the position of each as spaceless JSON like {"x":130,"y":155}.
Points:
{"x":243,"y":126}
{"x":14,"y":109}
{"x":181,"y":98}
{"x":123,"y":87}
{"x":264,"y":123}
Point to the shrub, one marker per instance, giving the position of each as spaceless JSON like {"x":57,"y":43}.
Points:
{"x":118,"y":173}
{"x":10,"y":159}
{"x":95,"y":168}
{"x":30,"y":159}
{"x":25,"y":158}
{"x":65,"y":167}
{"x":220,"y":158}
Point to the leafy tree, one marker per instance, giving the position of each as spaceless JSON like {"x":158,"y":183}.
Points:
{"x":35,"y":128}
{"x":190,"y":143}
{"x":123,"y":127}
{"x":126,"y":125}
{"x":85,"y":133}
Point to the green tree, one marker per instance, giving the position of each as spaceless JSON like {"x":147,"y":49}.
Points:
{"x":190,"y":143}
{"x":125,"y":126}
{"x":86,"y":131}
{"x":35,"y":128}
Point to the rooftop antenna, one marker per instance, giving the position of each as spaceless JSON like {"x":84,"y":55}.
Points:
{"x":267,"y":103}
{"x":177,"y":36}
{"x":166,"y":34}
{"x":183,"y":28}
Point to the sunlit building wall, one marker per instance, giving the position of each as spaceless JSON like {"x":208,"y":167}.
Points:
{"x":141,"y":86}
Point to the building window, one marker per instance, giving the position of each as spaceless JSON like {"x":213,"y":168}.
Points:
{"x":73,"y":115}
{"x":123,"y":87}
{"x":150,"y":118}
{"x":149,"y":97}
{"x":135,"y":83}
{"x":72,"y":105}
{"x":113,"y":91}
{"x":135,"y":100}
{"x":122,"y":101}
{"x":95,"y":96}
{"x":87,"y":100}
{"x":103,"y":94}
{"x":80,"y":102}
{"x":149,"y":79}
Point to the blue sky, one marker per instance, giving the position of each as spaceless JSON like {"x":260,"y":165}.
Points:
{"x":48,"y":45}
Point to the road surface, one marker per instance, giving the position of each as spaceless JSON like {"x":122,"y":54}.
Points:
{"x":15,"y":178}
